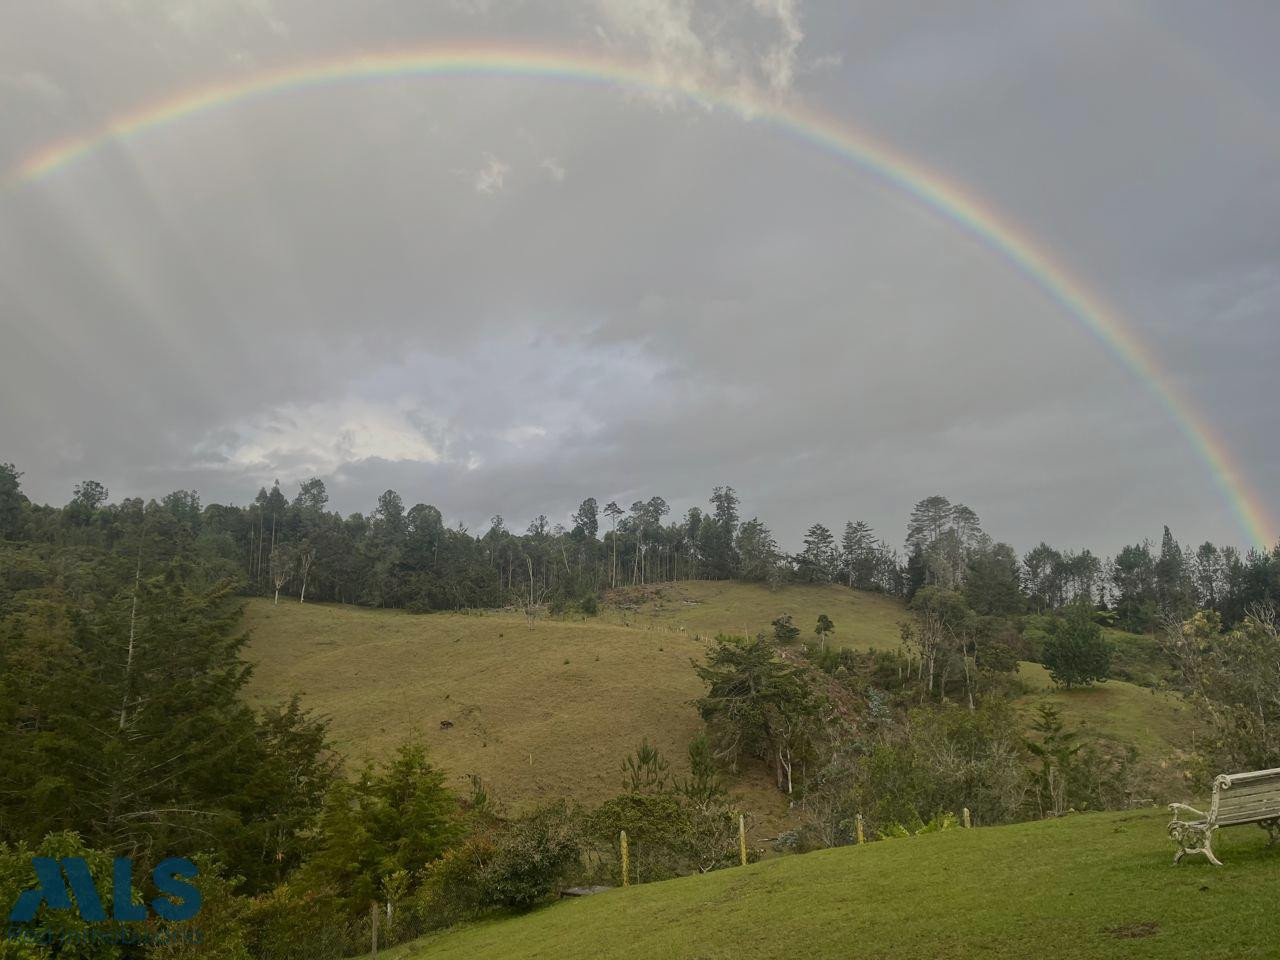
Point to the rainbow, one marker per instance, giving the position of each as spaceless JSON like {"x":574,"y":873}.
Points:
{"x":977,"y":217}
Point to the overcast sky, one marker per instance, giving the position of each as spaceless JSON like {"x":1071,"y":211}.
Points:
{"x":502,"y":294}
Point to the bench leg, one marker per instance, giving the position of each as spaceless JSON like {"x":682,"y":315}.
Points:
{"x":1192,"y":838}
{"x":1272,"y":827}
{"x":1208,"y":849}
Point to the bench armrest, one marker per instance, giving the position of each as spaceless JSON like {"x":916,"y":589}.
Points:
{"x":1175,"y":807}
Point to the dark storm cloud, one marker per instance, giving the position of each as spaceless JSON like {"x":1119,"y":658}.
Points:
{"x":501,"y":296}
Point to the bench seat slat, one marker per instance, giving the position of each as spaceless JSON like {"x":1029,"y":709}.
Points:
{"x":1226,"y":803}
{"x":1255,"y":817}
{"x":1249,"y":776}
{"x":1241,"y":821}
{"x":1257,"y":786}
{"x":1258,"y":797}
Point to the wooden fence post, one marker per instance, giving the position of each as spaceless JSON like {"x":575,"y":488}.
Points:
{"x":742,"y":839}
{"x":373,"y":920}
{"x":858,"y":823}
{"x":626,"y":859}
{"x":967,"y":822}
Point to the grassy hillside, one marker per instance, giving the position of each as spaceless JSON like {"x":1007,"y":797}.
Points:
{"x":549,"y":711}
{"x":537,"y":712}
{"x":708,"y":607}
{"x":1088,"y":886}
{"x":1156,"y":723}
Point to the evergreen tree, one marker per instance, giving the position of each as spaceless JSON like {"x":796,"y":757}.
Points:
{"x":818,"y":561}
{"x":993,"y":583}
{"x":1172,"y":580}
{"x":586,"y":522}
{"x":398,"y":817}
{"x":859,"y":557}
{"x":12,"y":502}
{"x":1075,"y":651}
{"x":1134,"y":582}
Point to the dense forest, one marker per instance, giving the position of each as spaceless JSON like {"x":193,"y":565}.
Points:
{"x":411,"y":558}
{"x":124,"y":730}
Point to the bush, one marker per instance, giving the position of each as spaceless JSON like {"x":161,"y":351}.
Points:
{"x":915,"y":827}
{"x":221,"y":922}
{"x":293,"y":923}
{"x":668,"y":835}
{"x":531,"y":857}
{"x":1075,"y":773}
{"x":1075,"y":651}
{"x":946,"y":758}
{"x":514,"y":865}
{"x":590,"y":605}
{"x":785,"y":631}
{"x":396,"y":817}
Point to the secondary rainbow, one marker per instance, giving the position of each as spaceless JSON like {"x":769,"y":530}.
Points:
{"x":975,"y":216}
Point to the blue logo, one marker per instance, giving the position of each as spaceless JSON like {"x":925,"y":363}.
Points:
{"x":181,"y":900}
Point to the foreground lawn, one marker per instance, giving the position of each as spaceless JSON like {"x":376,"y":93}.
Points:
{"x":1087,"y":886}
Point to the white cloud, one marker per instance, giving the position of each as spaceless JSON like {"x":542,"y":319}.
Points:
{"x":492,"y":175}
{"x":319,"y":438}
{"x":721,"y":44}
{"x":779,"y":57}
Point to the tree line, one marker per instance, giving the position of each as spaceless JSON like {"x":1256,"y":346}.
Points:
{"x":409,"y":557}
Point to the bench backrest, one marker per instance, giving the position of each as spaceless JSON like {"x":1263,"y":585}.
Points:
{"x":1246,"y":797}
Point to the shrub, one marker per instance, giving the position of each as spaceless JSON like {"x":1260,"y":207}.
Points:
{"x":1075,"y":651}
{"x":943,"y":759}
{"x":293,"y":923}
{"x":785,"y":631}
{"x":1075,"y":773}
{"x":221,"y":922}
{"x":513,"y":865}
{"x":915,"y":827}
{"x":531,"y":856}
{"x":397,"y":817}
{"x":590,"y":605}
{"x":668,"y":836}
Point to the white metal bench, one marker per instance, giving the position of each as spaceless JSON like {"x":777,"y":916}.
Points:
{"x":1238,"y":798}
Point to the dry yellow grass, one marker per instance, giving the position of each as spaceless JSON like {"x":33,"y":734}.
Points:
{"x":537,"y":712}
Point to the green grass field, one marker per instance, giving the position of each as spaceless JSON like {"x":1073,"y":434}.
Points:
{"x":1087,"y":886}
{"x":1156,"y":723}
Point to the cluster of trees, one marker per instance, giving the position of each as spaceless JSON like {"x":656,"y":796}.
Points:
{"x":906,"y":739}
{"x":1140,"y":586}
{"x":398,"y":556}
